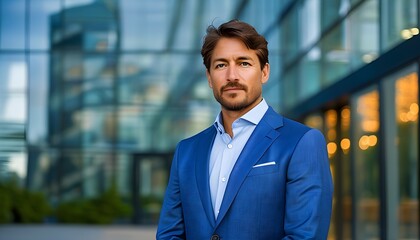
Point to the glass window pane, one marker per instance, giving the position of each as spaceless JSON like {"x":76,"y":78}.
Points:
{"x":335,"y":55}
{"x":185,"y":35}
{"x":289,"y":36}
{"x":13,"y":165}
{"x":40,"y":14}
{"x":252,"y":15}
{"x":13,"y":74}
{"x":407,"y":108}
{"x":290,"y":87}
{"x":330,"y":132}
{"x":309,"y":23}
{"x":402,"y":154}
{"x":365,"y":122}
{"x":271,"y":90}
{"x":364,"y":34}
{"x":98,"y":79}
{"x":400,"y":21}
{"x":71,"y":172}
{"x":12,"y":24}
{"x":310,"y":82}
{"x":331,"y":10}
{"x":13,"y":108}
{"x":75,"y":3}
{"x":96,"y":126}
{"x":38,"y":98}
{"x":153,"y":177}
{"x":145,"y":24}
{"x":91,"y":27}
{"x":351,"y":44}
{"x":345,"y":145}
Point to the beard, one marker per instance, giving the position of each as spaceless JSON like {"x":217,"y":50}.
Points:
{"x":229,"y":101}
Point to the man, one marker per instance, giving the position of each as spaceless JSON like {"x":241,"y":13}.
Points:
{"x":254,"y":174}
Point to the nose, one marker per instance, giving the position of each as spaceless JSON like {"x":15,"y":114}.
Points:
{"x":232,"y":73}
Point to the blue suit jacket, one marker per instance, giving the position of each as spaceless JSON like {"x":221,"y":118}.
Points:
{"x":290,"y":199}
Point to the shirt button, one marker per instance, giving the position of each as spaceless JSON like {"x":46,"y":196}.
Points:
{"x":229,"y":146}
{"x":223,"y":179}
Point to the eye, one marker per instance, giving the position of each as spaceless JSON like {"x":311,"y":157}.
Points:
{"x":245,"y":64}
{"x":220,"y":65}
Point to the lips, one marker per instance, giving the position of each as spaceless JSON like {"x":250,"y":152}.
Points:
{"x":233,"y":87}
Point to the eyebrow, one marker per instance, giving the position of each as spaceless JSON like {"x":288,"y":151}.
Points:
{"x":238,"y":58}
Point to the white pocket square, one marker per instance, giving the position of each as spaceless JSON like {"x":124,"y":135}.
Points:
{"x":264,"y":164}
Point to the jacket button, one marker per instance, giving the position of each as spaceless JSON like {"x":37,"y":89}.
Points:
{"x":215,"y":237}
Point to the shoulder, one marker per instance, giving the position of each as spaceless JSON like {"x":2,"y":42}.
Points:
{"x":304,"y":132}
{"x":284,"y":124}
{"x":292,"y":129}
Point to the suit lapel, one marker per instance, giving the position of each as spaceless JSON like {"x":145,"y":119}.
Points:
{"x":261,"y":139}
{"x":202,"y":153}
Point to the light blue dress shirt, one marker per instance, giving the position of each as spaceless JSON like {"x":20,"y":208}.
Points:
{"x":226,"y":150}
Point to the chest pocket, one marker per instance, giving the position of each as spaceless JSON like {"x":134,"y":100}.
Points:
{"x":268,"y":169}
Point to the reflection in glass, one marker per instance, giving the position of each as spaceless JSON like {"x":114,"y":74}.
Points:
{"x":153,"y":177}
{"x":330,"y":132}
{"x":290,"y":87}
{"x":345,"y":161}
{"x":365,"y":121}
{"x":289,"y":36}
{"x":39,"y":23}
{"x":13,"y":117}
{"x":400,"y":21}
{"x":351,"y":44}
{"x":12,"y":24}
{"x":38,"y":99}
{"x":363,"y":31}
{"x":145,"y":24}
{"x":331,"y":11}
{"x":309,"y":78}
{"x":406,"y":122}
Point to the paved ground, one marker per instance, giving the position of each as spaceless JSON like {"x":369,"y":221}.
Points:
{"x":76,"y":232}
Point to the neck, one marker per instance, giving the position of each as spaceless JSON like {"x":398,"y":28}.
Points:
{"x":230,"y":116}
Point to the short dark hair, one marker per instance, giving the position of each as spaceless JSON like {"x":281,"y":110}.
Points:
{"x":234,"y":29}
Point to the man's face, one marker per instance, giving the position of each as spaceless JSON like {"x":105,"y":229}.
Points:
{"x":235,"y":75}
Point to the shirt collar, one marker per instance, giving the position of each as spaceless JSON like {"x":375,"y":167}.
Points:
{"x":253,"y":116}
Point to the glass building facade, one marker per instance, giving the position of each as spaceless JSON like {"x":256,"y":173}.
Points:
{"x":97,"y":93}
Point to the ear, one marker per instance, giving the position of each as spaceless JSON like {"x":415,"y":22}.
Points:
{"x":209,"y":78}
{"x":265,"y":73}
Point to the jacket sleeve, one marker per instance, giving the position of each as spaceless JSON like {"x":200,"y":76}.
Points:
{"x":171,"y":221}
{"x":309,"y":189}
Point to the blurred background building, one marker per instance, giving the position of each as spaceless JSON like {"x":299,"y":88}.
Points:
{"x":95,"y":94}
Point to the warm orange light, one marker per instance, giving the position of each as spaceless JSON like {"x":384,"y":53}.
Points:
{"x":407,"y":108}
{"x":331,"y":148}
{"x":368,"y":110}
{"x":403,"y":117}
{"x":331,"y":118}
{"x":370,"y":125}
{"x":364,"y":142}
{"x":372,"y":140}
{"x":406,"y":34}
{"x":332,"y":134}
{"x":345,"y":144}
{"x":345,"y":113}
{"x":414,"y":31}
{"x":414,"y":108}
{"x":367,"y":141}
{"x":314,"y":121}
{"x":345,"y":118}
